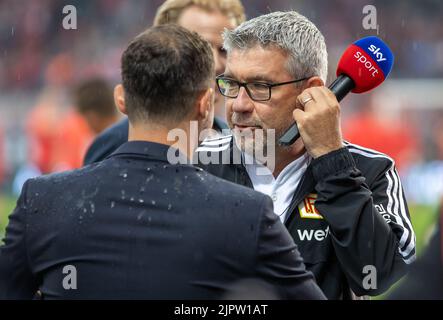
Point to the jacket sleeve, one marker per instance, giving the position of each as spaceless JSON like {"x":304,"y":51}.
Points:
{"x":16,"y":278}
{"x":370,"y":227}
{"x":279,"y":262}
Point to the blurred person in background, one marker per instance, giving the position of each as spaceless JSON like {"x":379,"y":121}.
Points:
{"x":94,"y":101}
{"x":93,"y":111}
{"x":46,"y":116}
{"x":206,"y":17}
{"x":392,"y":136}
{"x":44,"y":120}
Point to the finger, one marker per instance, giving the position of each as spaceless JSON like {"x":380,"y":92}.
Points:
{"x":305,"y":98}
{"x":299,"y":116}
{"x":329,"y":96}
{"x":317,"y":98}
{"x":323,"y":97}
{"x":331,"y":101}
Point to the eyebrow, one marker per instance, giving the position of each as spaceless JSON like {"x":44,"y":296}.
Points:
{"x":255,"y":78}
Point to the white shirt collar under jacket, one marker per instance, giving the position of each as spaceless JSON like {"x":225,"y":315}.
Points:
{"x":282,"y":189}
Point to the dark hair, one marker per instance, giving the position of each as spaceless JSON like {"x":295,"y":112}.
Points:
{"x":164,"y":70}
{"x":95,"y":95}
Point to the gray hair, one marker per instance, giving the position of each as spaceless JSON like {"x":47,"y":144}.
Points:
{"x":289,"y":31}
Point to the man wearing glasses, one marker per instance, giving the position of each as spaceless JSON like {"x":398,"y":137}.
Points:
{"x":343,"y":204}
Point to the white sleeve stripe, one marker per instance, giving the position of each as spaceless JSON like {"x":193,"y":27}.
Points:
{"x":367,"y":152}
{"x":405,"y":236}
{"x":410,"y":260}
{"x":391,"y":199}
{"x":395,"y":195}
{"x":407,"y":241}
{"x":390,"y":202}
{"x":396,"y":201}
{"x":404,"y":214}
{"x":410,"y":255}
{"x":405,"y":220}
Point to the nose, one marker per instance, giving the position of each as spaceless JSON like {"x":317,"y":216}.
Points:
{"x":243,"y":102}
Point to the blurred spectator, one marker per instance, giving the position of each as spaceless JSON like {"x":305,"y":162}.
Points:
{"x":42,"y":124}
{"x":94,"y":111}
{"x":393,"y":137}
{"x":94,"y":100}
{"x":44,"y":119}
{"x":423,"y":182}
{"x":71,"y":142}
{"x":31,"y":32}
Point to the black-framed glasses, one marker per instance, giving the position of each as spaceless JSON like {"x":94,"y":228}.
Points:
{"x":257,"y":91}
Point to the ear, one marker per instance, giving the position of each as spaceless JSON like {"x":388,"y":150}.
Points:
{"x":206,"y":104}
{"x":311,"y":82}
{"x":119,"y":98}
{"x":314,"y":82}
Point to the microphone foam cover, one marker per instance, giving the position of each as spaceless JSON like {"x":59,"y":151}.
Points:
{"x":367,"y":62}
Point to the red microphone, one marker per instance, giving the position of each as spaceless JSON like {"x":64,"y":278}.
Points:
{"x":363,"y":66}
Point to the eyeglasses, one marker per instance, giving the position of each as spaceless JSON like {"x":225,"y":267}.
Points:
{"x":257,"y":91}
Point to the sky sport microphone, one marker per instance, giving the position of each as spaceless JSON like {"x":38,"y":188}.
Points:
{"x":363,"y":66}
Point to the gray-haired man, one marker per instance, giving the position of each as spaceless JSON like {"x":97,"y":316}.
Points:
{"x":343,"y":204}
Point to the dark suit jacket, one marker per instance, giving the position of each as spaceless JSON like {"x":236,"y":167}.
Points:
{"x":113,"y":137}
{"x":136,"y":227}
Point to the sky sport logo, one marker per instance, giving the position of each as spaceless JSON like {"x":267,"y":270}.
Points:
{"x":367,"y":63}
{"x":376,"y":51}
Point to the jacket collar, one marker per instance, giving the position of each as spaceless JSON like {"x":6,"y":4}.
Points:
{"x":151,"y":150}
{"x":306,"y":185}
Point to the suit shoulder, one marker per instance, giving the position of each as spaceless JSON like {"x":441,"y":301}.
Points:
{"x":235,"y":193}
{"x":53,"y":181}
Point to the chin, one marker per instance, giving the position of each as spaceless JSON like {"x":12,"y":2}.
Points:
{"x":253,"y":146}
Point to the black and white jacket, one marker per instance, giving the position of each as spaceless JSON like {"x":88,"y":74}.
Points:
{"x":348,"y":216}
